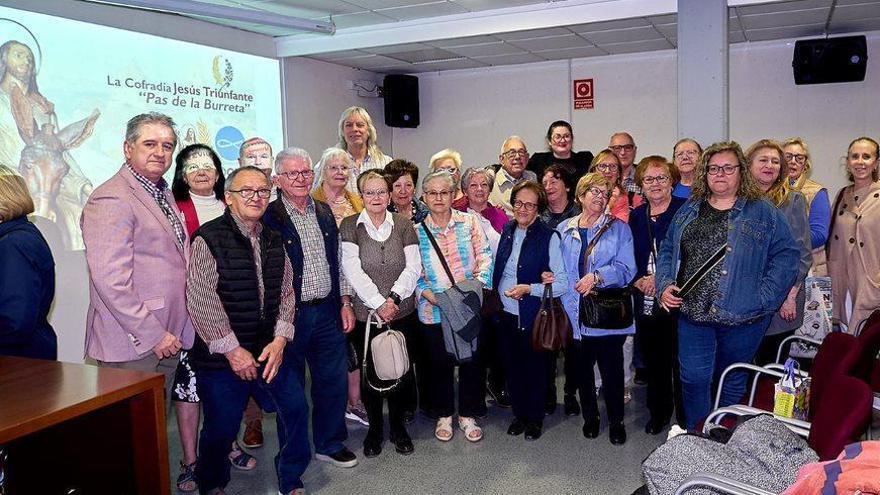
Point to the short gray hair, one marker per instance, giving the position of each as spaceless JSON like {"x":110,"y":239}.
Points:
{"x":292,"y":152}
{"x":440,"y":174}
{"x":247,"y":168}
{"x":335,"y":153}
{"x":511,"y":138}
{"x":472,"y":172}
{"x":133,"y":128}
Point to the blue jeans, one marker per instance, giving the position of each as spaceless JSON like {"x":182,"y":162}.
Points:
{"x":224,"y":396}
{"x":320,"y":341}
{"x":704,"y":351}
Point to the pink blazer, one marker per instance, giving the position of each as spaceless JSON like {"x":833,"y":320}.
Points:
{"x":137,"y":272}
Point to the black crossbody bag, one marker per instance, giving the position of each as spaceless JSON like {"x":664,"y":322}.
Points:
{"x":608,"y":308}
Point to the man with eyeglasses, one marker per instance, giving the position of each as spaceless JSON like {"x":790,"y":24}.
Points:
{"x":240,"y":296}
{"x":323,"y":298}
{"x":514,"y":157}
{"x":625,"y":149}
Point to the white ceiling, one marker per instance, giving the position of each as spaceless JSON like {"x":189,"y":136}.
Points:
{"x":753,"y":22}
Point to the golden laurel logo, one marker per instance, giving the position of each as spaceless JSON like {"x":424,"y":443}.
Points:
{"x":222,"y":72}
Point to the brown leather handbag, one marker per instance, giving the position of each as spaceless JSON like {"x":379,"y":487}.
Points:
{"x":551,"y":330}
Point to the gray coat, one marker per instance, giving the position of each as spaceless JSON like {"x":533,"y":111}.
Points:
{"x":460,"y":318}
{"x":795,"y":212}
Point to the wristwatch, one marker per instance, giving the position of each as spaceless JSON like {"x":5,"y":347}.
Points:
{"x":598,"y":278}
{"x":395,"y":297}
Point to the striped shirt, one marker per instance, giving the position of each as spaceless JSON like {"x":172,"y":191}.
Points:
{"x":316,"y":281}
{"x":466,"y":249}
{"x":208,"y":316}
{"x":158,"y":192}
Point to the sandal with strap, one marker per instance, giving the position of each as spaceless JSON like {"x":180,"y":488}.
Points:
{"x":443,"y":431}
{"x":240,"y":459}
{"x":186,"y":482}
{"x":472,"y":431}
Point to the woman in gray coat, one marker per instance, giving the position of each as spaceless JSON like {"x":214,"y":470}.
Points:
{"x":768,"y":166}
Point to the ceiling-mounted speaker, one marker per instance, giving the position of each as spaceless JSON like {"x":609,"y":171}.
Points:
{"x":401,"y":95}
{"x":830,"y":60}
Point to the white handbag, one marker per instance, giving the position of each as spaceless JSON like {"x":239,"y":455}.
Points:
{"x":390,"y":359}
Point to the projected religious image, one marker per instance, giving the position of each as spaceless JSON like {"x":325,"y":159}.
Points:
{"x":68,"y":88}
{"x":31,"y":138}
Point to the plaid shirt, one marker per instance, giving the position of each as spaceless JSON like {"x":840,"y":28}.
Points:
{"x":316,"y":281}
{"x":629,"y":182}
{"x":157,"y":191}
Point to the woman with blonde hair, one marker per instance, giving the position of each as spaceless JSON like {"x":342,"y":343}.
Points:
{"x":27,"y":276}
{"x":622,"y":201}
{"x":450,"y":160}
{"x":797,"y":157}
{"x":853,"y":245}
{"x":768,"y":166}
{"x":358,"y":137}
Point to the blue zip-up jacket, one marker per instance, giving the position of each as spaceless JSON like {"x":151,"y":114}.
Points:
{"x":612,"y":257}
{"x":760,"y":266}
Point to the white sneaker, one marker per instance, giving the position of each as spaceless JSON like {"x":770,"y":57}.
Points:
{"x":357,"y":413}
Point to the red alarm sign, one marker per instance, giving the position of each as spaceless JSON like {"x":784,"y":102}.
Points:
{"x":583,"y":94}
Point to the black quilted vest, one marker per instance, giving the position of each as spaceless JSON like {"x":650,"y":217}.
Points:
{"x":237,"y":287}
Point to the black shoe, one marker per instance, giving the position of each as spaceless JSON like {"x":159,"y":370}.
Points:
{"x":402,"y":442}
{"x":572,"y":408}
{"x":344,"y":458}
{"x":550,"y":407}
{"x":533,"y":431}
{"x":372,"y":446}
{"x":408,"y":417}
{"x":655,"y":426}
{"x":640,"y":377}
{"x":591,"y":428}
{"x":500,"y":397}
{"x":517,"y":427}
{"x":617,"y":434}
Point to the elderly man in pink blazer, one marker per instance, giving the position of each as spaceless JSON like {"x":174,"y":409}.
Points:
{"x":137,"y":252}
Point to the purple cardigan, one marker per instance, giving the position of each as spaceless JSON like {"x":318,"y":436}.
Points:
{"x":493,"y":214}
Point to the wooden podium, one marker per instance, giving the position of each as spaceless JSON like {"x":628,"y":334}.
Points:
{"x":83,"y":428}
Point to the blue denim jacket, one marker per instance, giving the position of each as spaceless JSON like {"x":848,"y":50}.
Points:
{"x":612,"y":257}
{"x":760,"y":266}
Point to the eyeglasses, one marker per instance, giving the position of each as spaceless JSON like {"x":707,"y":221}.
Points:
{"x":195,"y":167}
{"x":513,"y":153}
{"x":660,"y":179}
{"x":378,"y":193}
{"x":684,"y":153}
{"x":305,"y":174}
{"x":725,"y":169}
{"x":599,"y":193}
{"x":560,"y":137}
{"x":437,"y":194}
{"x":606,"y":167}
{"x":249,"y":193}
{"x":796,"y":157}
{"x":617,"y":148}
{"x":523,"y":205}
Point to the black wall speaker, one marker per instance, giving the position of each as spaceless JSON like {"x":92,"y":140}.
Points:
{"x":401,"y":100}
{"x":830,"y":60}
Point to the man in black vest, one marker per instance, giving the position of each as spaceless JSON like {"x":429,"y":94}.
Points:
{"x":324,"y":311}
{"x":240,"y":296}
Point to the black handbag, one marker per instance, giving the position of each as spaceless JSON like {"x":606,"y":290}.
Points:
{"x":609,"y":308}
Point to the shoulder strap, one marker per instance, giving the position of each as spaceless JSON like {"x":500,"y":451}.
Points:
{"x":595,"y":241}
{"x":439,"y":253}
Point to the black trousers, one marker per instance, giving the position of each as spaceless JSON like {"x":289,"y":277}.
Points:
{"x":490,"y":354}
{"x":526,"y":369}
{"x":400,"y":397}
{"x":770,"y":346}
{"x":607,"y":351}
{"x":441,"y":375}
{"x":569,"y":367}
{"x":659,"y":337}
